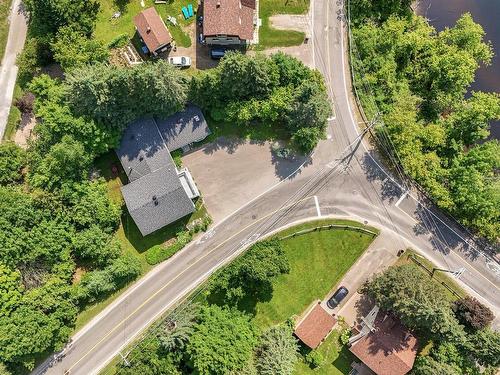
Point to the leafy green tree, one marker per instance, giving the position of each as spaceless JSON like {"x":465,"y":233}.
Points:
{"x":36,"y":53}
{"x":149,"y":359}
{"x":472,"y":313}
{"x":4,"y":370}
{"x":42,"y":322}
{"x":470,"y":120}
{"x":307,"y":138}
{"x":116,"y":96}
{"x":417,"y":300}
{"x":100,"y":283}
{"x":448,"y":353}
{"x":244,"y":77}
{"x":484,"y":347}
{"x":12,"y":161}
{"x":89,"y":204}
{"x":292,"y":72}
{"x":310,"y":108}
{"x":222,"y":341}
{"x":252,"y":274}
{"x":178,"y":328}
{"x":73,"y":49}
{"x":277,"y":352}
{"x":10,"y":290}
{"x":476,"y":190}
{"x":48,"y":16}
{"x":96,"y":246}
{"x":428,"y":365}
{"x":66,"y":162}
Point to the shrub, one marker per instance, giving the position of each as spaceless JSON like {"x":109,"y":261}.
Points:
{"x":119,"y":41}
{"x":314,"y":359}
{"x":159,"y":253}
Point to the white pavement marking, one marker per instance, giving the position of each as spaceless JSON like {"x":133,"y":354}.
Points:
{"x":318,"y":210}
{"x":403,"y":196}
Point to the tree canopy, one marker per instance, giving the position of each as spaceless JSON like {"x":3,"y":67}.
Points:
{"x":417,"y":78}
{"x":222,"y":341}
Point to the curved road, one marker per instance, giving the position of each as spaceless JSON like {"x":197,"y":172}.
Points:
{"x":8,"y":70}
{"x":343,"y":179}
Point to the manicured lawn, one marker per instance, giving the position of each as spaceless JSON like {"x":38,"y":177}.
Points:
{"x":318,"y":260}
{"x":337,"y":358}
{"x":4,"y":25}
{"x":108,"y":28}
{"x":269,"y":37}
{"x":131,"y":240}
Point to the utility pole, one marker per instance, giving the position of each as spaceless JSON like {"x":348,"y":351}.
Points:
{"x":456,"y":273}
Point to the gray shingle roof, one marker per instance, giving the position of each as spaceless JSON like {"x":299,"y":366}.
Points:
{"x":155,"y":196}
{"x":172,"y":200}
{"x":183,"y":128}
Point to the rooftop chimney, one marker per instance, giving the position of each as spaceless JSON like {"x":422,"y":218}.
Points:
{"x":148,"y":30}
{"x":218,"y":4}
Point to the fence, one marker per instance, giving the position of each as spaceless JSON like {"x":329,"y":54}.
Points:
{"x":424,"y":267}
{"x":330,"y":226}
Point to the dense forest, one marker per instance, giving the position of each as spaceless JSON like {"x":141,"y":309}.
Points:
{"x":418,"y":79}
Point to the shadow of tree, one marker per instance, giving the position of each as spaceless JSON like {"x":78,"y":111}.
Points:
{"x":390,"y":191}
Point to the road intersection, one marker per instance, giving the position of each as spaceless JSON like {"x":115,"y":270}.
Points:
{"x":343,"y":179}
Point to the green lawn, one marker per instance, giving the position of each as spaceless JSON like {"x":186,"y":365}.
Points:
{"x":269,"y":37}
{"x":14,"y":118}
{"x":108,"y":28}
{"x":318,"y":260}
{"x":4,"y":25}
{"x":337,"y":358}
{"x":128,"y":234}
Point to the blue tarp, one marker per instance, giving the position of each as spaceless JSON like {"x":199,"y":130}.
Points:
{"x":190,"y":9}
{"x":185,"y":12}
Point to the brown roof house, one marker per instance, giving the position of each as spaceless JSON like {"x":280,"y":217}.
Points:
{"x":315,"y":326}
{"x":385,"y":345}
{"x":153,"y":31}
{"x":228,"y":22}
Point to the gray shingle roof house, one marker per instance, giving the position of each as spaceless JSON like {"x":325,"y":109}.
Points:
{"x":159,"y":194}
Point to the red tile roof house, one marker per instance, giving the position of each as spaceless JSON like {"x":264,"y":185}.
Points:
{"x":315,"y":326}
{"x":153,"y":31}
{"x":228,"y":22}
{"x":390,"y":349}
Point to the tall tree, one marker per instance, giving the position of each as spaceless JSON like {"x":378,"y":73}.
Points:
{"x":277,"y":352}
{"x":418,"y":301}
{"x":47,"y":16}
{"x":72,"y":49}
{"x":12,"y":161}
{"x":117,"y":96}
{"x":222,"y":341}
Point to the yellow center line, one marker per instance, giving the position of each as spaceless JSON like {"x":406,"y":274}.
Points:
{"x":179,"y":275}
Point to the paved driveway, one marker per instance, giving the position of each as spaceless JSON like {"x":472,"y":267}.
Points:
{"x":230,"y":172}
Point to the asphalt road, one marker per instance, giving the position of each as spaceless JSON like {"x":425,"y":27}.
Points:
{"x":8,"y":69}
{"x":344,"y":179}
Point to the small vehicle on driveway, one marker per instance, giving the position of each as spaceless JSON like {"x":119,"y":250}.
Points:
{"x":337,"y":297}
{"x":217,"y":53}
{"x":180,"y":61}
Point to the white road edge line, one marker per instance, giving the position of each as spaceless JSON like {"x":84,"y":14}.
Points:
{"x":403,"y":196}
{"x":316,"y":202}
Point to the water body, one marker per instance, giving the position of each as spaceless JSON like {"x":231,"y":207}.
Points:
{"x":444,"y":13}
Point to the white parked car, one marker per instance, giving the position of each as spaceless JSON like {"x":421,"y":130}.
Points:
{"x":180,"y":61}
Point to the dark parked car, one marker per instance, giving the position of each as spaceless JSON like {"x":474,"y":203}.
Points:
{"x":217,"y":53}
{"x":337,"y":297}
